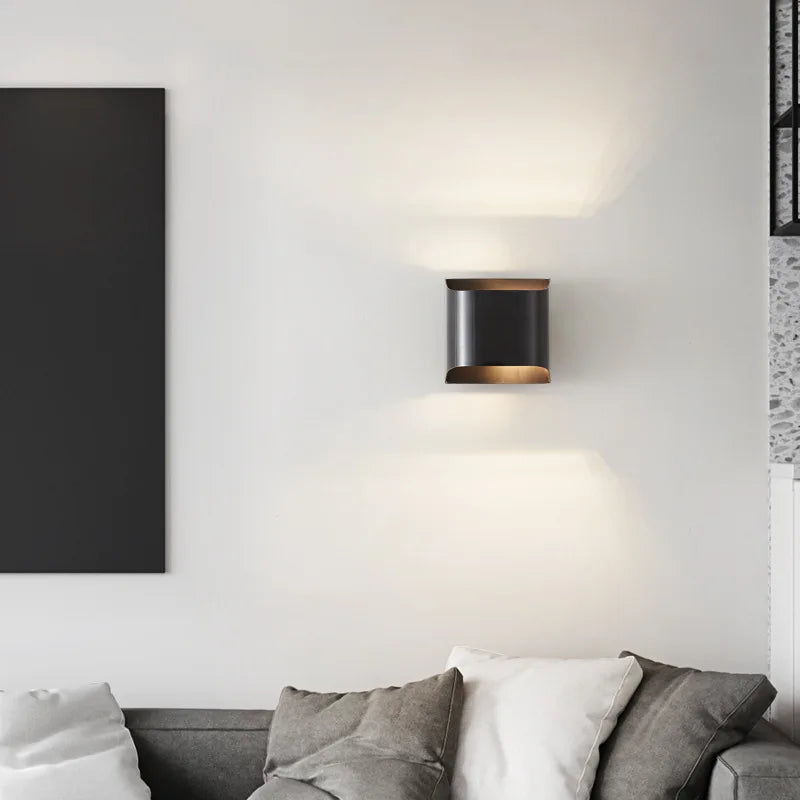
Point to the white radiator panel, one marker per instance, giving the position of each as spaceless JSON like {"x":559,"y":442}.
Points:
{"x":785,"y":596}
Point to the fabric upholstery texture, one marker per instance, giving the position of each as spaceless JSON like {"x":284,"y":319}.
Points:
{"x":200,"y":754}
{"x":532,"y":727}
{"x":765,"y":767}
{"x":387,"y":744}
{"x":679,"y":720}
{"x":69,"y":744}
{"x":217,"y":754}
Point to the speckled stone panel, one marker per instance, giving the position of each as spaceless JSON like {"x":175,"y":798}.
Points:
{"x":784,"y":349}
{"x":783,"y":185}
{"x":783,"y":54}
{"x":783,"y":101}
{"x":784,"y":275}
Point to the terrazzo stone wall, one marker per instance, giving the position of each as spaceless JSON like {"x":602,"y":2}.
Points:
{"x":783,"y":52}
{"x":784,"y":349}
{"x":784,"y":277}
{"x":783,"y":100}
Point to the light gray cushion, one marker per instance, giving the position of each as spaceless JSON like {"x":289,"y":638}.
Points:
{"x":678,"y":721}
{"x":764,"y":767}
{"x":388,"y":744}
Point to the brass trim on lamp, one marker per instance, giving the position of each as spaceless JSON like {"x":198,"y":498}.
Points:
{"x":497,"y":330}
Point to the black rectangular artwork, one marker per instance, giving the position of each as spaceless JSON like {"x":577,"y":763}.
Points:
{"x":82,"y":330}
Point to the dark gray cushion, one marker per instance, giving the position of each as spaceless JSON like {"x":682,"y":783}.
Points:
{"x":678,"y":721}
{"x":200,"y":754}
{"x":391,"y":744}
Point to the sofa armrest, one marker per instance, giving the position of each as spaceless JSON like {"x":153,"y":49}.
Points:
{"x":766,"y":766}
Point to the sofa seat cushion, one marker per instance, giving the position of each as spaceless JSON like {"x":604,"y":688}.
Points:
{"x":288,"y":789}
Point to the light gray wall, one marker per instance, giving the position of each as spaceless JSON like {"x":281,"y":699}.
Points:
{"x":339,"y":517}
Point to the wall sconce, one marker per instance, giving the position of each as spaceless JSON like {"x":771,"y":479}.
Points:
{"x":497,"y":331}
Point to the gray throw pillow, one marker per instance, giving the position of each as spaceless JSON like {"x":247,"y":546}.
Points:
{"x":387,"y":744}
{"x":676,"y":724}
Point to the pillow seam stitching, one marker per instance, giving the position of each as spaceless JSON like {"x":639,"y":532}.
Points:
{"x":600,"y":726}
{"x":446,"y":734}
{"x":719,"y":727}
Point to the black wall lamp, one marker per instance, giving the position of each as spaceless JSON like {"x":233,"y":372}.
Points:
{"x":497,"y":330}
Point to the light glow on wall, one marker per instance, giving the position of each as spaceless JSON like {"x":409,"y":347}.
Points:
{"x":522,"y":523}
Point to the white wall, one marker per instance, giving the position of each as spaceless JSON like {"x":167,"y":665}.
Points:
{"x":339,"y":517}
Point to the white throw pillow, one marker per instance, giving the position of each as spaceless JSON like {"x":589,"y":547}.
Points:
{"x":532,"y":727}
{"x":70,"y":744}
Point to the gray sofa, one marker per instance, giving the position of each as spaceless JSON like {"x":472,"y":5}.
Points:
{"x":219,"y":755}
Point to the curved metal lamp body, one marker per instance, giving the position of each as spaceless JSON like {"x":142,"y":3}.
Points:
{"x":497,"y":331}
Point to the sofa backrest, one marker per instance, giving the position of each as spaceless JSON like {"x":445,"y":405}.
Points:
{"x":194,"y":754}
{"x":216,"y":754}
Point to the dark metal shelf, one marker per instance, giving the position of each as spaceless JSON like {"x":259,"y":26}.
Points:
{"x":785,"y":119}
{"x":782,"y":119}
{"x":789,"y":229}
